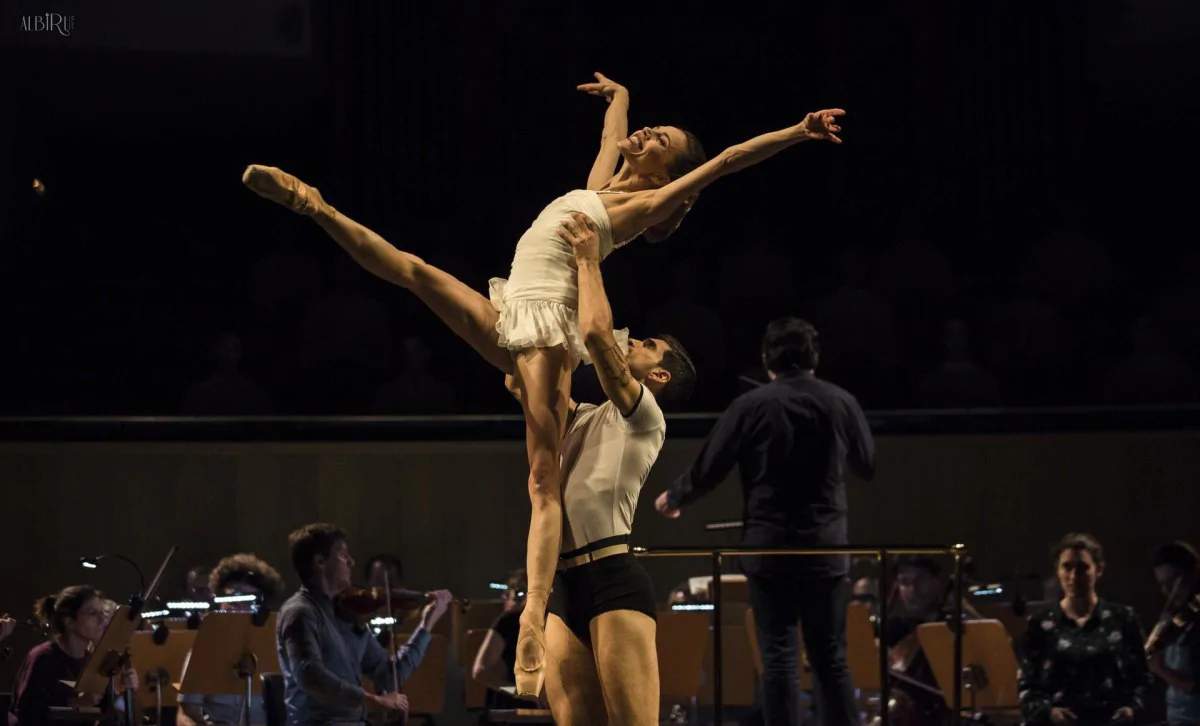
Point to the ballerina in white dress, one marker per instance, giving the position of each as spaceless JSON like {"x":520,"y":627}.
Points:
{"x":529,"y":328}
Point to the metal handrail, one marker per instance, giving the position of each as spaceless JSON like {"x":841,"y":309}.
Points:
{"x":880,"y":552}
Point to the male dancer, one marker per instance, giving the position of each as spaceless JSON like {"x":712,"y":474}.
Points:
{"x":602,"y":663}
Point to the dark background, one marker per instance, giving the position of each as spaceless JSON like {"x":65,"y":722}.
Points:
{"x":1024,"y":168}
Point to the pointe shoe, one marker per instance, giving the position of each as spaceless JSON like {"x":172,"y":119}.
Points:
{"x":283,"y":188}
{"x":530,"y":679}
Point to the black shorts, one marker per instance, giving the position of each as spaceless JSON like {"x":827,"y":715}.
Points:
{"x":613,"y":583}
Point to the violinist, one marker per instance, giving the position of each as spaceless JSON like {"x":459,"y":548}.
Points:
{"x":77,"y":619}
{"x":1173,"y":649}
{"x":323,"y":649}
{"x":240,"y":574}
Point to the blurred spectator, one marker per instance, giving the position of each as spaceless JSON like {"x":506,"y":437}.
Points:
{"x":415,"y":390}
{"x":1069,"y":270}
{"x":1150,"y":374}
{"x":196,"y":583}
{"x":957,"y":382}
{"x":755,"y":286}
{"x":347,"y":342}
{"x":227,"y":392}
{"x":1027,"y":349}
{"x":693,"y":320}
{"x":1178,"y":311}
{"x":914,"y":275}
{"x":858,"y":340}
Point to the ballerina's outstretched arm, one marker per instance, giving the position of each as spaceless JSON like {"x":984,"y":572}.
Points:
{"x":651,"y":207}
{"x":616,"y":127}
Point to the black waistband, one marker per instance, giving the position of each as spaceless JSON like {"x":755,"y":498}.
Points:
{"x":597,"y":545}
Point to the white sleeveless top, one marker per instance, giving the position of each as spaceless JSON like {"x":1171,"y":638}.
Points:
{"x":539,"y":302}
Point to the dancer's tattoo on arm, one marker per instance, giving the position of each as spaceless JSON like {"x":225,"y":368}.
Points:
{"x":615,"y":367}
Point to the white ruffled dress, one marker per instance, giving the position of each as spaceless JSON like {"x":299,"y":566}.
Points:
{"x":539,"y":302}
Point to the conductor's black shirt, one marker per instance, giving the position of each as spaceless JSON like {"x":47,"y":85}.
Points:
{"x":792,"y":440}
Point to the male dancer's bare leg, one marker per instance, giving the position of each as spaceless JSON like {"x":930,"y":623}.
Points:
{"x":627,"y":661}
{"x":572,"y":683}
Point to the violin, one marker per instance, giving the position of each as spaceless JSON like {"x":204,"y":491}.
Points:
{"x":1175,"y":621}
{"x":360,"y":605}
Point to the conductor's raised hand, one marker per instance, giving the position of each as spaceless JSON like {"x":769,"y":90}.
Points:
{"x":663,"y":506}
{"x":583,"y":235}
{"x":603,"y":86}
{"x":823,"y":125}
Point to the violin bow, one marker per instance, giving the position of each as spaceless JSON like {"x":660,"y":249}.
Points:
{"x":387,"y":590}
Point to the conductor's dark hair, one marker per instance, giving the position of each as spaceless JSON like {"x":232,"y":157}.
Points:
{"x":791,"y":344}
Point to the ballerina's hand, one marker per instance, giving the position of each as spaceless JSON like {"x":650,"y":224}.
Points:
{"x":823,"y":124}
{"x":603,"y":87}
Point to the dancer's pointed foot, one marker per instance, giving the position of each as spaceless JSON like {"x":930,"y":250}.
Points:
{"x":530,"y":670}
{"x":283,"y":188}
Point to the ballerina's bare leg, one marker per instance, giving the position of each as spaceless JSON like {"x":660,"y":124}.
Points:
{"x":464,"y":310}
{"x":543,"y":374}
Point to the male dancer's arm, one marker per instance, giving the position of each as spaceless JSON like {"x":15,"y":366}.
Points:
{"x":595,"y":317}
{"x":616,"y":127}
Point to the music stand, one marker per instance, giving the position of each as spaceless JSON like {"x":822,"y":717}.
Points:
{"x":160,"y":666}
{"x":989,"y":664}
{"x":231,"y":650}
{"x":110,"y":656}
{"x":862,"y":648}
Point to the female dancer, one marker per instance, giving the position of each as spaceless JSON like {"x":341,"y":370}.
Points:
{"x":530,"y":327}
